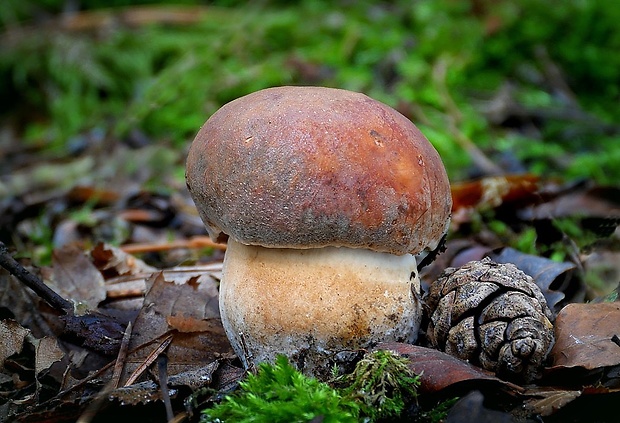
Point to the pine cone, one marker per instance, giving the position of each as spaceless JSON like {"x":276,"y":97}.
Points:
{"x":492,"y":315}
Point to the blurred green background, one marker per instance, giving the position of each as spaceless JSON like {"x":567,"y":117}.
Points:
{"x":512,"y":86}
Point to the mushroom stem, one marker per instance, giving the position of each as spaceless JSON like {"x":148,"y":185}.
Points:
{"x":311,"y":304}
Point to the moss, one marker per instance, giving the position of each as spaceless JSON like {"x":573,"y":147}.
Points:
{"x":280,"y":393}
{"x":382,"y":384}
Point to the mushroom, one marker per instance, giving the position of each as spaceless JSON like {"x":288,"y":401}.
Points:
{"x":325,"y":196}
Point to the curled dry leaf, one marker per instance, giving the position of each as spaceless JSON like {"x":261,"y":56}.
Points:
{"x":493,"y":191}
{"x":585,"y":201}
{"x":585,"y":336}
{"x":112,"y":261}
{"x":13,"y":335}
{"x":439,"y":370}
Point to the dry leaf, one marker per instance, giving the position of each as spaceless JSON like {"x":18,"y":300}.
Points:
{"x":74,"y":277}
{"x":13,"y":335}
{"x":493,"y":191}
{"x":112,"y":261}
{"x":581,"y":201}
{"x":547,"y":401}
{"x":584,"y":336}
{"x":144,"y":392}
{"x":47,"y":352}
{"x":190,"y":310}
{"x":439,"y":370}
{"x":125,"y":294}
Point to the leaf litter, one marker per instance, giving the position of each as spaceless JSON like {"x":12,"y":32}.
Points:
{"x":180,"y":305}
{"x":173,"y":310}
{"x":99,"y":196}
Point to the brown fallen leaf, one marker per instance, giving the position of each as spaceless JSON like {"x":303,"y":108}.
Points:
{"x":189,"y":309}
{"x":585,"y":201}
{"x":148,"y":391}
{"x":490,"y":193}
{"x":13,"y":335}
{"x":493,"y":191}
{"x":133,"y":286}
{"x":546,"y":401}
{"x":439,"y":370}
{"x":584,"y":336}
{"x":112,"y":261}
{"x":74,"y":277}
{"x":47,"y":352}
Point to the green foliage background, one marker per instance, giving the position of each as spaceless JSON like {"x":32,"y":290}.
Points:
{"x":444,"y":63}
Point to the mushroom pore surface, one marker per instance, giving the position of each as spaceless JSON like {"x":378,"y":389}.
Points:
{"x":309,"y":167}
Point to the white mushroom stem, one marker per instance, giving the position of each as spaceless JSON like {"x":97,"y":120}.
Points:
{"x":311,"y":304}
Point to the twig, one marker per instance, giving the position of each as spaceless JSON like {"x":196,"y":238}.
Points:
{"x":149,"y":360}
{"x":119,"y":365}
{"x":93,"y":407}
{"x":162,"y":368}
{"x":90,"y":378}
{"x":248,"y":357}
{"x":194,"y":242}
{"x":97,"y":402}
{"x":555,"y":77}
{"x":33,"y":282}
{"x":455,"y":117}
{"x":132,"y":17}
{"x":93,"y":330}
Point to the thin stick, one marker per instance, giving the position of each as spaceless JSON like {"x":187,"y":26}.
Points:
{"x":192,"y":243}
{"x":162,"y":368}
{"x":149,"y":360}
{"x":33,"y":282}
{"x":455,"y":117}
{"x":119,"y":365}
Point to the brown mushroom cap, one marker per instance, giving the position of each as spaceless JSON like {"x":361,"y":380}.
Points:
{"x":308,"y":167}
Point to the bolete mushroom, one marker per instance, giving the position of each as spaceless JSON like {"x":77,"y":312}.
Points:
{"x":325,"y":196}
